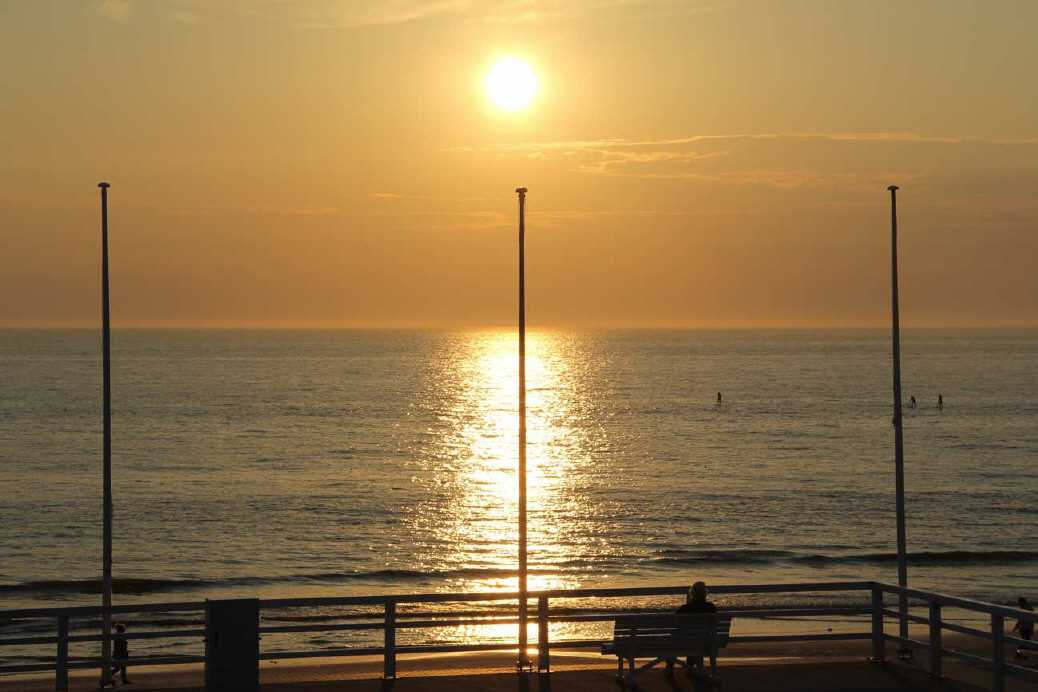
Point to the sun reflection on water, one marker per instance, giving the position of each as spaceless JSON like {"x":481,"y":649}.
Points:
{"x":474,"y":462}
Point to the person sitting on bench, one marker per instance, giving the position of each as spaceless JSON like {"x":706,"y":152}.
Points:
{"x":695,"y":604}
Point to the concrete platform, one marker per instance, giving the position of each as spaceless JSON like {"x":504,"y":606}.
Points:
{"x":800,"y":676}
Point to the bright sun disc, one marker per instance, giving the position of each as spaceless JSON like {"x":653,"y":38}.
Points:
{"x":511,"y":84}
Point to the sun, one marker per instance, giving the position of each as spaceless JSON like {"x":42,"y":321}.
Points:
{"x":511,"y":84}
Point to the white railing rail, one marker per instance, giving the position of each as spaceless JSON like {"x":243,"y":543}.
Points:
{"x":386,"y":616}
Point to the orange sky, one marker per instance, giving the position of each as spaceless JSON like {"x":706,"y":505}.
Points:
{"x":338,"y":163}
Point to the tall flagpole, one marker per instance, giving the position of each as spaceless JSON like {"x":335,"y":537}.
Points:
{"x":106,"y":591}
{"x":899,"y":445}
{"x":523,"y":661}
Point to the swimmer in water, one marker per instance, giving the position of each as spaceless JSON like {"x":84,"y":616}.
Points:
{"x":719,"y":398}
{"x":940,"y":402}
{"x":911,"y":402}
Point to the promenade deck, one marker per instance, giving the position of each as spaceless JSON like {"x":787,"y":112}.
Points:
{"x":796,"y":675}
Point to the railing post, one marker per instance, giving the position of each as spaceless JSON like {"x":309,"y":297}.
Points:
{"x":61,"y":666}
{"x":543,"y":660}
{"x":935,"y":640}
{"x":998,"y":653}
{"x":389,"y":655}
{"x":878,"y":641}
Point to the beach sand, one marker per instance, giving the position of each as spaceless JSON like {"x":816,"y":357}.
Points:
{"x":770,"y":666}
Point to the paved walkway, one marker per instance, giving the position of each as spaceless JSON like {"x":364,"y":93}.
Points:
{"x":814,"y":676}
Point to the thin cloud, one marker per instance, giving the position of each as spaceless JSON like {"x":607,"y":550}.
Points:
{"x":620,"y":143}
{"x":403,"y":11}
{"x":782,"y":160}
{"x":310,"y":211}
{"x":613,"y":161}
{"x":115,"y":10}
{"x":456,"y":221}
{"x":184,"y":16}
{"x":335,"y":14}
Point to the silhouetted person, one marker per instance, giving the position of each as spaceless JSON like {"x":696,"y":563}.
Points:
{"x":696,"y":604}
{"x":696,"y":601}
{"x":940,"y":402}
{"x":719,"y":398}
{"x":1026,"y":629}
{"x":911,"y":402}
{"x":121,"y":651}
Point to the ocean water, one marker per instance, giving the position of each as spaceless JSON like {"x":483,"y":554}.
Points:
{"x":282,"y":463}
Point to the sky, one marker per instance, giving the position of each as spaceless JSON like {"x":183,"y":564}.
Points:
{"x":689,"y":162}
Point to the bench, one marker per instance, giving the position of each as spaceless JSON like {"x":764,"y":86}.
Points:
{"x":666,"y":638}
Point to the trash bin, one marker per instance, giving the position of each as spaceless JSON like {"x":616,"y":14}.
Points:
{"x":232,"y":645}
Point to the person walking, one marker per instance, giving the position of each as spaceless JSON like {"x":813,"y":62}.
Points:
{"x":120,"y":653}
{"x":1025,"y":628}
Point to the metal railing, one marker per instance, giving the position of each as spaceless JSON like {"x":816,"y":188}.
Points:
{"x":384,"y":614}
{"x":936,"y":624}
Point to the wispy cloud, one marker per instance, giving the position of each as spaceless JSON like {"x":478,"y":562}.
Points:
{"x":783,"y":160}
{"x":621,"y":143}
{"x":337,"y":14}
{"x":184,"y":16}
{"x":395,"y":11}
{"x":310,"y":211}
{"x":116,"y":10}
{"x":178,"y":11}
{"x":612,"y":161}
{"x":473,"y":221}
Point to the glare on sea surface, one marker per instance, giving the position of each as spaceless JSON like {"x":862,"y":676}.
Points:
{"x":475,"y":463}
{"x":481,"y":517}
{"x":511,"y":84}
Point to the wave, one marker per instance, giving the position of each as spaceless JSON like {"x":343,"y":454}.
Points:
{"x":743,"y":557}
{"x":952,"y":557}
{"x":139,"y":586}
{"x":666,"y":557}
{"x":753,"y":557}
{"x":132,"y":586}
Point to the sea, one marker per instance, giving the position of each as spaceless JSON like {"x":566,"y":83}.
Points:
{"x":345,"y":462}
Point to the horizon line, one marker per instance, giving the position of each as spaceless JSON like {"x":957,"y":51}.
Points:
{"x":770,"y":325}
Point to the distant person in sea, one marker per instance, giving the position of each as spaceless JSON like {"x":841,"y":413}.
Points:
{"x":940,"y":402}
{"x":719,"y":398}
{"x":911,"y":402}
{"x":1026,"y":629}
{"x":696,"y":604}
{"x":120,"y":652}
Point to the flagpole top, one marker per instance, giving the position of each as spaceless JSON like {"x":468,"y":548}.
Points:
{"x":103,"y":185}
{"x":892,"y":188}
{"x":521,"y":191}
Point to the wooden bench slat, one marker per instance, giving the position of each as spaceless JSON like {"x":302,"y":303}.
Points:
{"x":666,"y":637}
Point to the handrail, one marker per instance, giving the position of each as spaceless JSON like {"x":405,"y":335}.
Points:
{"x":95,"y":611}
{"x":997,"y":635}
{"x":443,"y":597}
{"x":449,"y":619}
{"x":964,"y":603}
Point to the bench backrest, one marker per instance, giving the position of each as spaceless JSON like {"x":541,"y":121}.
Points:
{"x":669,"y":631}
